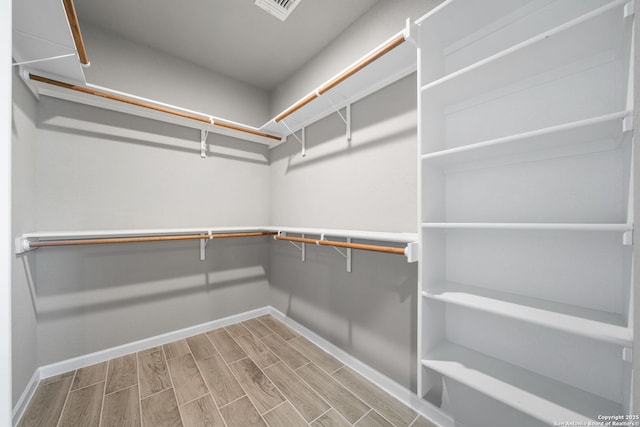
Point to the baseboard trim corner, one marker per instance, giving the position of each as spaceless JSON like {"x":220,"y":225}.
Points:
{"x":21,"y":405}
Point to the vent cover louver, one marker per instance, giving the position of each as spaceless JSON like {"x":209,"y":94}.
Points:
{"x":281,"y":9}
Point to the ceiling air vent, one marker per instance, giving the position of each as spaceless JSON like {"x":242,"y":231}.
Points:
{"x":281,"y":9}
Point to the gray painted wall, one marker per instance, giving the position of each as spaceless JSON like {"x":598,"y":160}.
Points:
{"x":369,"y":184}
{"x":98,"y":169}
{"x":384,"y":20}
{"x":119,"y":64}
{"x":24,"y":322}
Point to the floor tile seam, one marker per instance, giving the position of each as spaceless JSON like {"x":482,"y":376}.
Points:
{"x":140,"y":387}
{"x":88,"y":385}
{"x":104,"y":397}
{"x":282,"y":359}
{"x":362,"y":417}
{"x":173,"y":388}
{"x":376,"y":408}
{"x":284,"y":403}
{"x":249,"y":356}
{"x":414,"y":420}
{"x":295,"y":371}
{"x":251,"y":331}
{"x":245,"y":390}
{"x":180,"y":355}
{"x":66,"y":399}
{"x":206,"y":385}
{"x":220,"y":353}
{"x":206,"y":334}
{"x":233,"y":401}
{"x":300,"y":349}
{"x":321,"y":415}
{"x":208,"y":340}
{"x":286,"y":399}
{"x":269,"y":328}
{"x":140,"y":392}
{"x":197,"y":398}
{"x":339,"y":383}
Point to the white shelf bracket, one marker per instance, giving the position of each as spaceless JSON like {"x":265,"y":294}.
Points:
{"x":22,"y":245}
{"x":412,"y":252}
{"x":411,"y":32}
{"x":302,"y":248}
{"x":204,"y":133}
{"x":301,"y":141}
{"x":346,"y":120}
{"x":203,"y":246}
{"x":627,"y":123}
{"x":346,"y":255}
{"x":627,"y":354}
{"x":627,"y":238}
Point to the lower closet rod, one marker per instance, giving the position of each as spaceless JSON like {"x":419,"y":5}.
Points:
{"x":43,"y":244}
{"x":385,"y":249}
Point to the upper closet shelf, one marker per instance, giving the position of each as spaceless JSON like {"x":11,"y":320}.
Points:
{"x":387,"y":63}
{"x":119,"y":101}
{"x":45,"y":35}
{"x":558,"y":50}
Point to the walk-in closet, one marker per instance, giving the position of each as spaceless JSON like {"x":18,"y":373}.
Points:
{"x":280,"y":213}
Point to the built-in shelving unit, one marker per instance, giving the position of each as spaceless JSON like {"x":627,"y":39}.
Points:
{"x":526,"y":210}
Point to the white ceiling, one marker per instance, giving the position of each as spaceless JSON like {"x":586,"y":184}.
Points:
{"x":232,"y":37}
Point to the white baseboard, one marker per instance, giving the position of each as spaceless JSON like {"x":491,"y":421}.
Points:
{"x":400,"y":392}
{"x":25,"y":398}
{"x":110,"y":353}
{"x":396,"y":390}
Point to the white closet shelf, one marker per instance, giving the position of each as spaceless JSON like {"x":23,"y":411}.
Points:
{"x":110,"y":99}
{"x":579,"y":39}
{"x":595,"y":324}
{"x":393,"y":65}
{"x":528,"y":226}
{"x":469,"y":18}
{"x":67,"y":238}
{"x":593,"y":134}
{"x":96,"y":234}
{"x":354,"y":234}
{"x":540,"y":397}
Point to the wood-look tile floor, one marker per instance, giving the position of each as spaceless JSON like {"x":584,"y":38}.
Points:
{"x":254,"y":373}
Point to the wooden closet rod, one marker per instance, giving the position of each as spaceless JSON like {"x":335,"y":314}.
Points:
{"x":342,"y":77}
{"x":78,"y":242}
{"x":147,"y":105}
{"x":385,"y":249}
{"x":72,"y":17}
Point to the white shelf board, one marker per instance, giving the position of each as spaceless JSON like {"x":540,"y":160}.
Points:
{"x":540,"y":397}
{"x":355,"y":234}
{"x":594,"y":33}
{"x":108,"y":104}
{"x":596,"y":133}
{"x":91,"y":234}
{"x":41,"y":30}
{"x":391,"y":67}
{"x":469,"y":17}
{"x":595,"y":324}
{"x":528,"y":226}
